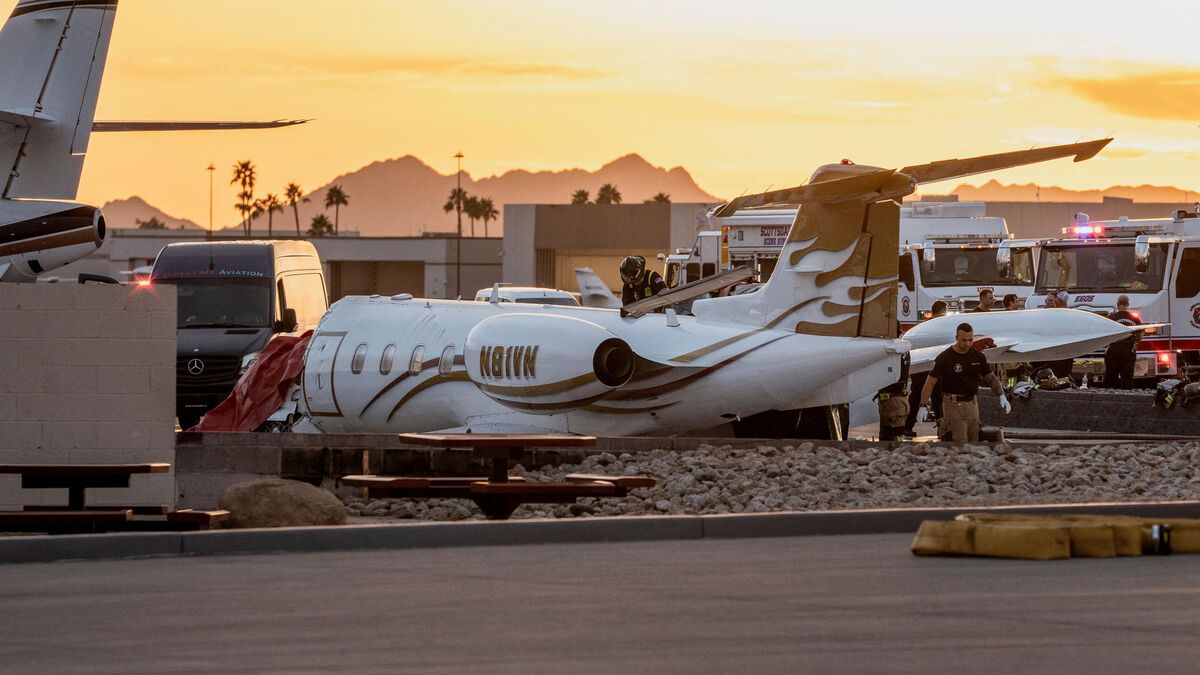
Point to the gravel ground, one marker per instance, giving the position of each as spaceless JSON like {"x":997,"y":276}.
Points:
{"x":813,"y":477}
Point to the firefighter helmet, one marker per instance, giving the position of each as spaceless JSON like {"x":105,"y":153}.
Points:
{"x":632,"y":268}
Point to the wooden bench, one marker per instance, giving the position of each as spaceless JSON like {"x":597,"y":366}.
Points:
{"x":138,"y":510}
{"x":65,"y":521}
{"x":623,"y":484}
{"x":418,"y":487}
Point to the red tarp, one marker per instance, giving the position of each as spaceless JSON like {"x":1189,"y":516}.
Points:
{"x":262,"y":389}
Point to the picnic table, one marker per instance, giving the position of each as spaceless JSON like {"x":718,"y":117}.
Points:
{"x":498,"y":494}
{"x":78,"y":516}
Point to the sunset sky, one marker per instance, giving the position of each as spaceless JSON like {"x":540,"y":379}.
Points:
{"x":745,"y":95}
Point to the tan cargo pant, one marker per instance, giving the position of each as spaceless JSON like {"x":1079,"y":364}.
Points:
{"x":960,"y":419}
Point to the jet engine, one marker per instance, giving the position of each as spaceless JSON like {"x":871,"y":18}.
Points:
{"x":545,"y":363}
{"x":37,"y":237}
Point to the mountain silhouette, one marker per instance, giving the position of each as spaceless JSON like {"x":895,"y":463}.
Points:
{"x":994,"y":191}
{"x":405,"y":197}
{"x":124,"y":213}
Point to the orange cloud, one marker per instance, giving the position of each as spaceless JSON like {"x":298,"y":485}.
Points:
{"x":1162,"y":95}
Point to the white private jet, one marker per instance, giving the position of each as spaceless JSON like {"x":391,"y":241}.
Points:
{"x":52,"y":55}
{"x":820,"y":332}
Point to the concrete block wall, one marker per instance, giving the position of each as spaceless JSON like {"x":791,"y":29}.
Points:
{"x":87,"y":375}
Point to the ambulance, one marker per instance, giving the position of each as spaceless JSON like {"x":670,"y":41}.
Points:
{"x":1156,"y":262}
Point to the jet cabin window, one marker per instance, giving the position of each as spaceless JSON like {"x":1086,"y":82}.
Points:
{"x":385,"y":361}
{"x":414,"y":364}
{"x":1082,"y":268}
{"x":446,"y":363}
{"x":360,"y":357}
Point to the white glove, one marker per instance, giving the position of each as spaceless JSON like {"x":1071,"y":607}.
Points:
{"x":922,"y":414}
{"x":1005,"y":405}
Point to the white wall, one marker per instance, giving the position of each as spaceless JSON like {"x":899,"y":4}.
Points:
{"x":87,"y":375}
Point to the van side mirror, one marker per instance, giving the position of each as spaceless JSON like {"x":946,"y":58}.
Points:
{"x":288,"y":323}
{"x":929,"y":256}
{"x":1141,"y":254}
{"x":1004,"y":260}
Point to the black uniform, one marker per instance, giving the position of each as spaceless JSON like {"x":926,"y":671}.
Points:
{"x":648,"y":283}
{"x":1120,"y":355}
{"x":959,"y":374}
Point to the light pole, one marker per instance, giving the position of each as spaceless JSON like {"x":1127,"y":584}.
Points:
{"x":458,"y":208}
{"x":210,"y":170}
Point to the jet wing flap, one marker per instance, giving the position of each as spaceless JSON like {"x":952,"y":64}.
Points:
{"x":132,"y":125}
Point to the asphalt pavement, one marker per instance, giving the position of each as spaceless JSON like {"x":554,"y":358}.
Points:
{"x":779,"y":604}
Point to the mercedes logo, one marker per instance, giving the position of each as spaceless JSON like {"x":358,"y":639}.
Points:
{"x":195,"y":366}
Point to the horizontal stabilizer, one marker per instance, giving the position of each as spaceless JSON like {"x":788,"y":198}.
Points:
{"x":687,"y":291}
{"x":131,"y":125}
{"x":958,"y":168}
{"x":862,"y":181}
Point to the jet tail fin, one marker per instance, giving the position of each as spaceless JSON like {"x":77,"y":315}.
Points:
{"x":838,"y":270}
{"x":48,"y":103}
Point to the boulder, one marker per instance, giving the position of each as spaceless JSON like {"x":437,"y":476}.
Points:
{"x":275,"y":502}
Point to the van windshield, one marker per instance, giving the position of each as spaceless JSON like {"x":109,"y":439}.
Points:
{"x":976,"y":267}
{"x":1099,"y":268}
{"x":223,"y":303}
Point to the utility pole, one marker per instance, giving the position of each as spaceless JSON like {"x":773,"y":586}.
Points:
{"x":458,"y":208}
{"x":210,"y":170}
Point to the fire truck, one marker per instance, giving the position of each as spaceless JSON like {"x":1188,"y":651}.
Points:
{"x":948,"y":251}
{"x":1155,"y":262}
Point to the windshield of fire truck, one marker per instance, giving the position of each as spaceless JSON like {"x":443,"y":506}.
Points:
{"x":976,"y":267}
{"x":1081,"y":268}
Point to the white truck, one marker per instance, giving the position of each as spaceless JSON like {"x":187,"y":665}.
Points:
{"x":948,"y":251}
{"x":1155,"y":262}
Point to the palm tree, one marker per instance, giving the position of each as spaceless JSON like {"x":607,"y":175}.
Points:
{"x":580,"y":197}
{"x":293,"y":194}
{"x":487,"y":211}
{"x":660,"y":198}
{"x":320,"y":226}
{"x":336,"y":198}
{"x":243,"y":174}
{"x":153,"y":223}
{"x":608,"y":194}
{"x":269,"y":204}
{"x":472,"y":209}
{"x":458,"y":197}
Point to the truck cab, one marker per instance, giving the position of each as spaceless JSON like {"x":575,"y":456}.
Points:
{"x":233,"y":297}
{"x":948,"y":251}
{"x":1154,"y":262}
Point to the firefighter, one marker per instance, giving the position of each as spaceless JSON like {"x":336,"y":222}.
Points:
{"x":918,"y":382}
{"x":1120,"y":355}
{"x":639,"y":282}
{"x":959,"y":369}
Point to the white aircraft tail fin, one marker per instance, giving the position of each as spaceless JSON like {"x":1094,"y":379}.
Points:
{"x":838,"y":269}
{"x":593,"y":292}
{"x":53,"y":54}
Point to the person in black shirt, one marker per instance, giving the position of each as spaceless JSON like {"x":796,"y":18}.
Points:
{"x":1011,"y":302}
{"x":1120,"y":355}
{"x":959,"y":370}
{"x":986,"y":298}
{"x":639,"y":283}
